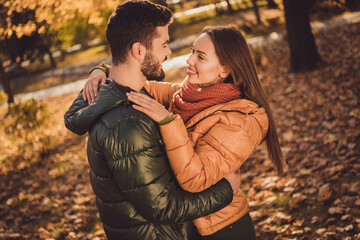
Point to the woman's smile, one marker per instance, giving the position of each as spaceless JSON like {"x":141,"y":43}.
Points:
{"x":191,"y":72}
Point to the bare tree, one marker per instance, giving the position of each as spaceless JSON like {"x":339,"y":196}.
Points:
{"x":352,"y":5}
{"x":5,"y":83}
{"x":303,"y":51}
{"x":272,"y":4}
{"x":229,"y":6}
{"x":256,"y":11}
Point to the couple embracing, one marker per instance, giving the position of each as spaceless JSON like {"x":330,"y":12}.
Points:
{"x":165,"y":158}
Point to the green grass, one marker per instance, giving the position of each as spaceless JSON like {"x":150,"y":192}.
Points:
{"x":35,"y":81}
{"x":83,"y":57}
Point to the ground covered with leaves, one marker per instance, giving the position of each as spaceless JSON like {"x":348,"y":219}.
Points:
{"x":318,"y":118}
{"x":45,"y":189}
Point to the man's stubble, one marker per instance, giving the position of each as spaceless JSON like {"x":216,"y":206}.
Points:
{"x":152,"y":69}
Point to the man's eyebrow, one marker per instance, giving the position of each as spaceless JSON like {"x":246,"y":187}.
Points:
{"x":166,"y":42}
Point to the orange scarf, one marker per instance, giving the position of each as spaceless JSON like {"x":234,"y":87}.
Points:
{"x":191,"y":99}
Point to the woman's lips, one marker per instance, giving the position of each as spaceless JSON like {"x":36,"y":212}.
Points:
{"x":191,"y":72}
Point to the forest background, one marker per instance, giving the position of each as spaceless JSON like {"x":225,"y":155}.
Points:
{"x":311,"y":75}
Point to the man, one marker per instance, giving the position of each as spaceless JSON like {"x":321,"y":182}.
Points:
{"x":136,"y":193}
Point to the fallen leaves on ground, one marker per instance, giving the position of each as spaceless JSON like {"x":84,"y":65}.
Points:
{"x":317,"y":116}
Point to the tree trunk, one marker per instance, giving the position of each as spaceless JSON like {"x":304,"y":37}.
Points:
{"x":229,"y":6}
{"x":5,"y":83}
{"x":256,"y":11}
{"x":303,"y":52}
{"x":272,"y":4}
{"x":52,"y":60}
{"x":352,"y":5}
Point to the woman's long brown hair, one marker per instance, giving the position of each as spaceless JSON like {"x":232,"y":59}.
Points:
{"x":233,"y":52}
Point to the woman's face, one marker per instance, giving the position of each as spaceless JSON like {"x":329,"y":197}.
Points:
{"x":204,"y":66}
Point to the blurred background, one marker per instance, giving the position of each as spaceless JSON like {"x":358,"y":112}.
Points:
{"x":307,"y":54}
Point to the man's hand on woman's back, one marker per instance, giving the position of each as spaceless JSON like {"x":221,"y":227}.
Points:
{"x":234,"y":180}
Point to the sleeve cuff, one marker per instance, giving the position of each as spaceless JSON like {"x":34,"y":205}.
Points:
{"x":167,"y":119}
{"x":103,"y":67}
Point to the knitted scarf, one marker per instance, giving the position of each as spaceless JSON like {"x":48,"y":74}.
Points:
{"x":191,"y":99}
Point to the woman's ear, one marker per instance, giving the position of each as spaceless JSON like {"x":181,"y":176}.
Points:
{"x":224,"y":72}
{"x":138,"y":51}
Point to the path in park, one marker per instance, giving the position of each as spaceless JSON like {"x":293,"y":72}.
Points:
{"x":180,"y":61}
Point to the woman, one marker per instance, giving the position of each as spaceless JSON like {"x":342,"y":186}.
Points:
{"x":221,"y":115}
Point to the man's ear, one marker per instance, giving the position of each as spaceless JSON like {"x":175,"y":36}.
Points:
{"x":138,"y":51}
{"x":225,"y":71}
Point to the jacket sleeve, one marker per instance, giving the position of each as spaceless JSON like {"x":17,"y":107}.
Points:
{"x":163,"y":92}
{"x":220,"y":151}
{"x":139,"y":164}
{"x":81,"y":115}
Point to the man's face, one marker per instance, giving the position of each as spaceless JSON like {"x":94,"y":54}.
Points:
{"x":151,"y":66}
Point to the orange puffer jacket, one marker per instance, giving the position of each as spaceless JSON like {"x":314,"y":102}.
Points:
{"x":212,"y":144}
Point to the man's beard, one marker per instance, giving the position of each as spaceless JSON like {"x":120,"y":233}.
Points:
{"x":151,"y":68}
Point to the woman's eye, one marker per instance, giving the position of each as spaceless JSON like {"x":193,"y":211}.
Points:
{"x":201,"y":58}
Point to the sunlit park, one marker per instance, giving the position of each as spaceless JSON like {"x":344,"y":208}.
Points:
{"x":307,"y":54}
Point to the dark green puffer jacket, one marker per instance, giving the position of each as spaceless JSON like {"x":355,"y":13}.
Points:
{"x":136,"y":193}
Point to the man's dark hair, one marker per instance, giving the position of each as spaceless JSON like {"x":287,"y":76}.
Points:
{"x":134,"y":21}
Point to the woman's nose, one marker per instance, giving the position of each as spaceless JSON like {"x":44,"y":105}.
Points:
{"x":169,"y":52}
{"x":189,"y":60}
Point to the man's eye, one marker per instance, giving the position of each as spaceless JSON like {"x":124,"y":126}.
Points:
{"x":192,"y":50}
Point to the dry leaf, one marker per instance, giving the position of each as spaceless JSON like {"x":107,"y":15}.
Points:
{"x":324,"y":192}
{"x":336,"y":210}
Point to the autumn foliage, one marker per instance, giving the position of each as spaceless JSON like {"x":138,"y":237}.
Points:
{"x":46,"y":193}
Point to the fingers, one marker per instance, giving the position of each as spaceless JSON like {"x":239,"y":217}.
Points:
{"x":92,"y":85}
{"x":139,"y":96}
{"x":95,"y":87}
{"x":149,"y":106}
{"x":147,"y":111}
{"x":86,"y":92}
{"x":84,"y":95}
{"x":140,"y":99}
{"x":90,"y":90}
{"x":235,"y":180}
{"x":91,"y":95}
{"x":142,"y":109}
